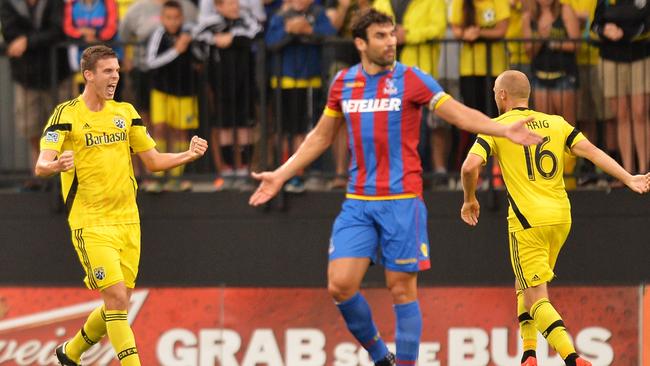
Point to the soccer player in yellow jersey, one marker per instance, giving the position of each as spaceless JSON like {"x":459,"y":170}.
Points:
{"x":539,"y":217}
{"x":89,"y":140}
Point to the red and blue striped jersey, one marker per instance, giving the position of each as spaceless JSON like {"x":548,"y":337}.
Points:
{"x":383,"y":114}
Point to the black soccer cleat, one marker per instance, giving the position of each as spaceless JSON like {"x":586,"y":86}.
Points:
{"x":389,"y":360}
{"x":62,"y":357}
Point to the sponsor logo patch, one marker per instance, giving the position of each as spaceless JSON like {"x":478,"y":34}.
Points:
{"x":371,"y":105}
{"x":354,"y":84}
{"x":406,"y":261}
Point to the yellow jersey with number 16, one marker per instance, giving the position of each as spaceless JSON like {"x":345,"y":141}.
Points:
{"x":533,"y":175}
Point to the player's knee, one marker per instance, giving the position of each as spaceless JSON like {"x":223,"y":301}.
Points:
{"x":533,"y":295}
{"x":341,"y":291}
{"x":402,"y":292}
{"x":115,"y":299}
{"x":116,"y":303}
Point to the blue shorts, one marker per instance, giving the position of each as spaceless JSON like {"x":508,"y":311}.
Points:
{"x":566,"y":82}
{"x":396,"y":227}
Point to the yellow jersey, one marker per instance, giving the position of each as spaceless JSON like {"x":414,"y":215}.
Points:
{"x":424,"y":21}
{"x":473,"y":56}
{"x":533,"y":175}
{"x":101,"y":188}
{"x":586,"y":54}
{"x":516,"y":50}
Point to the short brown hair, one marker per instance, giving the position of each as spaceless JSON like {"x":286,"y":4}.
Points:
{"x":366,"y":19}
{"x":92,"y":54}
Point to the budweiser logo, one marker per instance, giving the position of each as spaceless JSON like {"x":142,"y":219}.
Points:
{"x":31,"y":339}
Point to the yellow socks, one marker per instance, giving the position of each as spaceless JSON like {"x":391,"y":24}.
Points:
{"x":121,"y":337}
{"x":526,"y":326}
{"x":91,"y":332}
{"x":550,"y":324}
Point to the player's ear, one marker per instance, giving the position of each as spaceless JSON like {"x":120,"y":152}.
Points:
{"x":88,"y":75}
{"x":360,"y":44}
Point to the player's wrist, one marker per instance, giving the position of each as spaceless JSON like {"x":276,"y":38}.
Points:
{"x":283,"y":173}
{"x":55,"y":167}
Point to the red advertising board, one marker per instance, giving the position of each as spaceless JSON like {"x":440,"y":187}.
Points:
{"x":302,"y":327}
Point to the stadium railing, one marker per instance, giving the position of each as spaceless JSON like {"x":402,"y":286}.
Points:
{"x":266,"y":100}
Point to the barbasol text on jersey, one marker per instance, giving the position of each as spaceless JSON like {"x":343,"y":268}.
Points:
{"x":105,"y":138}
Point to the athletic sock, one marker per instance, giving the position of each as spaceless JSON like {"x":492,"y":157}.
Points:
{"x":526,"y":328}
{"x":121,"y":337}
{"x":358,"y":318}
{"x":570,"y":360}
{"x":407,"y":332}
{"x":91,"y":332}
{"x":550,"y":324}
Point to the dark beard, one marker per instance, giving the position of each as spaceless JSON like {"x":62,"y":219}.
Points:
{"x":381,"y":62}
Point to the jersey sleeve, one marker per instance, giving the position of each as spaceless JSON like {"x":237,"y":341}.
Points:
{"x":59,"y":125}
{"x":333,"y":107}
{"x":456,"y":13}
{"x":483,"y":147}
{"x":572,"y":134}
{"x":501,"y":10}
{"x":427,"y":90}
{"x":139,"y":138}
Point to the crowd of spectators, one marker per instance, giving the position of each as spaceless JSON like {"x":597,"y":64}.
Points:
{"x":196,"y":66}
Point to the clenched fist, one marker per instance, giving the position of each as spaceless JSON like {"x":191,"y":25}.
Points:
{"x":65,"y":161}
{"x":198,"y":146}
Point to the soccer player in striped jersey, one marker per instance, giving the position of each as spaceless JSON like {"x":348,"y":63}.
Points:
{"x":539,"y":217}
{"x":379,"y":101}
{"x":89,"y":140}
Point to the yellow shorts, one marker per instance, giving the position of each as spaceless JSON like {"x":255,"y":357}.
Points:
{"x":181,"y":113}
{"x":534,"y":251}
{"x":108,"y":254}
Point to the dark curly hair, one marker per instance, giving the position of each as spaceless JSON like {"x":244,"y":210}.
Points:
{"x":366,"y":19}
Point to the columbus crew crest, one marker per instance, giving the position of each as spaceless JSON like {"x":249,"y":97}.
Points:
{"x":489,"y":16}
{"x":119,"y":122}
{"x":99,"y":273}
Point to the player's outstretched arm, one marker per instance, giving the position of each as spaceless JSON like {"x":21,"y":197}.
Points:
{"x":47,"y":163}
{"x":317,"y":141}
{"x":156,"y":161}
{"x":638,"y":183}
{"x":469,"y":176}
{"x":471,"y":120}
